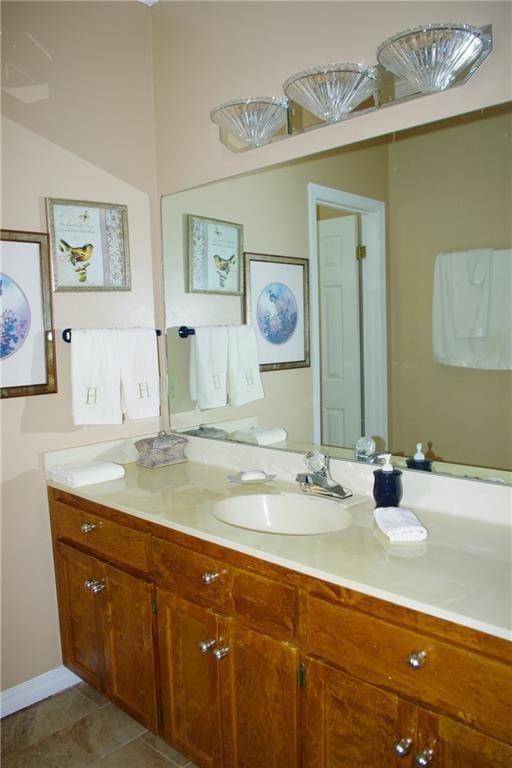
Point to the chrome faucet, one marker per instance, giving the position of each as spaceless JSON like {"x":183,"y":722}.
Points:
{"x":372,"y":458}
{"x":318,"y":479}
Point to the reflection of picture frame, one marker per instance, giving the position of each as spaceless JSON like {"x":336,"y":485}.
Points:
{"x":277,"y":306}
{"x":215,"y":256}
{"x":89,"y":245}
{"x":27,"y":360}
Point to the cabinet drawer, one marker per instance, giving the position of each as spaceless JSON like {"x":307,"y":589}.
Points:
{"x":265,"y":604}
{"x":196,"y":577}
{"x":112,"y":541}
{"x":473,"y":687}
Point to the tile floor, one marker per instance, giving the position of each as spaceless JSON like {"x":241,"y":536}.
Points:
{"x":80,"y":728}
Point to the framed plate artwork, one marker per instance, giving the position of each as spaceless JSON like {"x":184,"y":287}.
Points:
{"x":277,"y":306}
{"x":215,"y":256}
{"x":89,"y":245}
{"x":27,"y":358}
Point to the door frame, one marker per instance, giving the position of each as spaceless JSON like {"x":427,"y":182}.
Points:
{"x":374,"y":302}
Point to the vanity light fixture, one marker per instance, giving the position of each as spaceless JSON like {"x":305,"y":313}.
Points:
{"x":254,"y":120}
{"x":331,"y":91}
{"x":430,"y":57}
{"x":421,"y":60}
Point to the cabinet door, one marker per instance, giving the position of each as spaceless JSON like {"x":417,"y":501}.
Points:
{"x":350,"y":724}
{"x":189,"y":679}
{"x":81,"y":612}
{"x":457,"y":746}
{"x":260,"y":706}
{"x":129,"y":645}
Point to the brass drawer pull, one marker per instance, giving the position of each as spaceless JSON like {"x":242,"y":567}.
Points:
{"x":88,"y":527}
{"x":402,"y":747}
{"x":95,"y":585}
{"x":417,"y":659}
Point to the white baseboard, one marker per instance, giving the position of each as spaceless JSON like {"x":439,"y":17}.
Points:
{"x":36,"y":689}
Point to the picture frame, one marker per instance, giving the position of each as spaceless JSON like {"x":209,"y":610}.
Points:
{"x":277,"y":306}
{"x":27,"y":359}
{"x":89,"y":245}
{"x":215,"y":256}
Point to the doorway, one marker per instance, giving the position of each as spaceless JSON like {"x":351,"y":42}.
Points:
{"x":348,"y":317}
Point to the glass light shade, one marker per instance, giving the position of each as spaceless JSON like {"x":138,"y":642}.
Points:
{"x":430,"y":57}
{"x":254,"y":120}
{"x":332,"y":91}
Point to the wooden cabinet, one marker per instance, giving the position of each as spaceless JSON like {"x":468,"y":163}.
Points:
{"x":257,"y":666}
{"x":107,"y":629}
{"x":230,"y":693}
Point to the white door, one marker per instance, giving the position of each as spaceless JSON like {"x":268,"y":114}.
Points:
{"x":339,"y":331}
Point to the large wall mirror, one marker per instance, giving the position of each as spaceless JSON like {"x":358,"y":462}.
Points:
{"x":443,"y":188}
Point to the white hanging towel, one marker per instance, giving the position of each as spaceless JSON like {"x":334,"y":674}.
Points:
{"x":208,"y":366}
{"x":138,"y":364}
{"x":244,"y":380}
{"x":472,"y":309}
{"x":95,"y":382}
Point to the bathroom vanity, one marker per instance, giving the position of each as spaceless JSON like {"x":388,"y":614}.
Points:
{"x":252,"y":650}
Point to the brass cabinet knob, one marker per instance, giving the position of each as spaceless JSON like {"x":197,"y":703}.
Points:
{"x":219,"y":653}
{"x":402,"y":747}
{"x":95,"y":585}
{"x":88,"y":527}
{"x":424,"y":758}
{"x":417,"y":659}
{"x":209,"y":577}
{"x":207,"y":645}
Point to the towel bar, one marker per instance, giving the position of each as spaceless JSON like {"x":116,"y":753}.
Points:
{"x":66,"y":334}
{"x":184,"y":332}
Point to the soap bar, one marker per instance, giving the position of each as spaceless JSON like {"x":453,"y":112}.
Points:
{"x":251,"y":475}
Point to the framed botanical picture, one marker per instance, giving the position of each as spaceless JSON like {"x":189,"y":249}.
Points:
{"x":277,"y":306}
{"x":89,"y":245}
{"x":215,"y":256}
{"x":27,"y":359}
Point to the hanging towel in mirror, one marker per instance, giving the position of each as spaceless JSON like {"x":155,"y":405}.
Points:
{"x":208,"y":366}
{"x":244,"y":380}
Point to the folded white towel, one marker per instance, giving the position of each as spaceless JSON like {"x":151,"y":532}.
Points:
{"x":399,"y":524}
{"x":260,"y":435}
{"x":209,"y":366}
{"x":244,"y":380}
{"x":95,"y":382}
{"x":140,"y":380}
{"x":76,"y":475}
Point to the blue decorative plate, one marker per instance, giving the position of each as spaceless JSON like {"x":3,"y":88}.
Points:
{"x":277,"y":313}
{"x":14,"y":316}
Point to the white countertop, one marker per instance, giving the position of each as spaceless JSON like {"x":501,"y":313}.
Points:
{"x":462,"y":573}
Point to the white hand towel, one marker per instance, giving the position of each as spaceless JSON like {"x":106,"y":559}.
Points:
{"x":260,"y":435}
{"x":399,"y":524}
{"x":209,"y":366}
{"x":95,"y":384}
{"x":76,"y":475}
{"x":469,"y":285}
{"x":140,"y":380}
{"x":244,"y":380}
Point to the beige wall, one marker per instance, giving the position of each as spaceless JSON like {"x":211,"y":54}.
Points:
{"x":465,"y":410}
{"x":93,"y":137}
{"x":206,"y":53}
{"x":273,"y":207}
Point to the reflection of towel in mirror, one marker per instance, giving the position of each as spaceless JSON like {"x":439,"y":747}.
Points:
{"x":208,"y":366}
{"x":472,"y":309}
{"x":244,"y":381}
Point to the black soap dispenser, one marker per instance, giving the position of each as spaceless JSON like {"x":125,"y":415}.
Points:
{"x":418,"y":461}
{"x":387,"y":486}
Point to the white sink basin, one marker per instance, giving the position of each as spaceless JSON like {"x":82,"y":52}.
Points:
{"x":291,"y":513}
